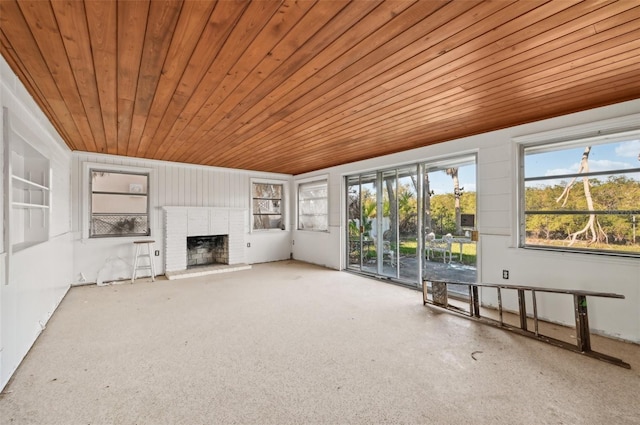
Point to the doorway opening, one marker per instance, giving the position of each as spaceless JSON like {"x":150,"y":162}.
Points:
{"x":414,"y":223}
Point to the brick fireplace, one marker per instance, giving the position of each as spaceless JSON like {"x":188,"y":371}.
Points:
{"x":203,"y":222}
{"x":207,"y":250}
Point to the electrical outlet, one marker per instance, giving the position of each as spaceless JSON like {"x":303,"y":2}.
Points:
{"x":157,"y":253}
{"x":505,"y":274}
{"x":293,"y":242}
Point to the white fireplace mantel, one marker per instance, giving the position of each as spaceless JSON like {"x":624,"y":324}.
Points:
{"x":181,"y":222}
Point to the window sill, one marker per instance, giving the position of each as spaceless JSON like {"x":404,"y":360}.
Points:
{"x":269,"y":230}
{"x":566,"y":250}
{"x":127,"y":238}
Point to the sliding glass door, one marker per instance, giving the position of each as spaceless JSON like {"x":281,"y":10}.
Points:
{"x":382,"y":222}
{"x":414,"y":223}
{"x":408,"y":224}
{"x":450,"y":220}
{"x":388,"y":225}
{"x":361,"y":214}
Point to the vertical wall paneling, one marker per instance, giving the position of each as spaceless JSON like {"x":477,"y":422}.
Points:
{"x":219,"y":185}
{"x":210,"y":193}
{"x":172,"y":196}
{"x":192,"y":188}
{"x":174,"y":184}
{"x":188,"y":189}
{"x":201,"y":181}
{"x":181,"y":186}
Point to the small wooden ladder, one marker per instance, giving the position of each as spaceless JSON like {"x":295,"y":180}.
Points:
{"x":136,"y":262}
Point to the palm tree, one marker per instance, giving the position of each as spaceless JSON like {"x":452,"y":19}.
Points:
{"x":457,"y":191}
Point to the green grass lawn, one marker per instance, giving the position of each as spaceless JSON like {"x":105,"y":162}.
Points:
{"x":408,"y":249}
{"x":469,"y":255}
{"x":630,"y":248}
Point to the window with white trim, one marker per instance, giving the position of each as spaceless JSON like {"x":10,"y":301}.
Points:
{"x":267,"y":205}
{"x":313,"y":206}
{"x":119,"y":203}
{"x":582,"y":195}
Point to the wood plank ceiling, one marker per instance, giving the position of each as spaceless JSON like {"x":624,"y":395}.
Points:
{"x":294,"y":86}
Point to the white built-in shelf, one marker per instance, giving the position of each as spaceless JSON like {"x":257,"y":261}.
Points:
{"x":28,"y":205}
{"x":20,"y":183}
{"x":27,"y":180}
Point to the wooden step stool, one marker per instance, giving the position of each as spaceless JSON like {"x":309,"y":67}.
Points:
{"x":136,"y":261}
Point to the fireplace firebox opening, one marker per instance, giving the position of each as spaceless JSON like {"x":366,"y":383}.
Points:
{"x":207,"y":250}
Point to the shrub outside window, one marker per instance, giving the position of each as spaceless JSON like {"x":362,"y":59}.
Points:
{"x":313,"y":206}
{"x":582,"y":196}
{"x":267,"y":206}
{"x":119,"y":204}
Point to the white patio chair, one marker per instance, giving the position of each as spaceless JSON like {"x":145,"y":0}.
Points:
{"x":442,"y":246}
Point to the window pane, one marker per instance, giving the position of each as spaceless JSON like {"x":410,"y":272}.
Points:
{"x":103,"y":181}
{"x":315,"y":222}
{"x":119,"y":225}
{"x":313,"y":206}
{"x":118,"y":204}
{"x":267,"y":190}
{"x":267,"y":222}
{"x":313,"y":190}
{"x":266,"y":206}
{"x":611,"y":232}
{"x":608,"y":192}
{"x":597,"y":211}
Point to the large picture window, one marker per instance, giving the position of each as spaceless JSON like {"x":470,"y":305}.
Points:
{"x":267,"y":205}
{"x":119,"y":204}
{"x":313,"y":206}
{"x":582,"y":195}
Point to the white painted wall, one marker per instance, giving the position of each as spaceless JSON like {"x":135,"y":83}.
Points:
{"x":39,"y":276}
{"x":322,"y":248}
{"x":497,"y":223}
{"x":171,"y":184}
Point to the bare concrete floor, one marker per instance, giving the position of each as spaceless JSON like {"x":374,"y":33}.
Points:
{"x":291,"y":343}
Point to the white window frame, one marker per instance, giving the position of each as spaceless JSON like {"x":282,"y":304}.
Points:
{"x":284,"y":209}
{"x":86,"y":197}
{"x":311,"y":180}
{"x":577,"y":136}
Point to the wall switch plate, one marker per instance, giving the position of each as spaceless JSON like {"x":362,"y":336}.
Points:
{"x":157,"y":253}
{"x":505,"y":274}
{"x":248,"y":244}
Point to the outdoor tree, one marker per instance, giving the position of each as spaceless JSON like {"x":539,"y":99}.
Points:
{"x":426,"y":202}
{"x":407,"y":210}
{"x":391,"y":206}
{"x":368,"y":211}
{"x":457,"y":191}
{"x":593,"y":226}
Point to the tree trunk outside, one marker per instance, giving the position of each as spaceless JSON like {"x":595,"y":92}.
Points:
{"x":426,"y":200}
{"x":453,"y":172}
{"x":393,"y":210}
{"x":597,"y":234}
